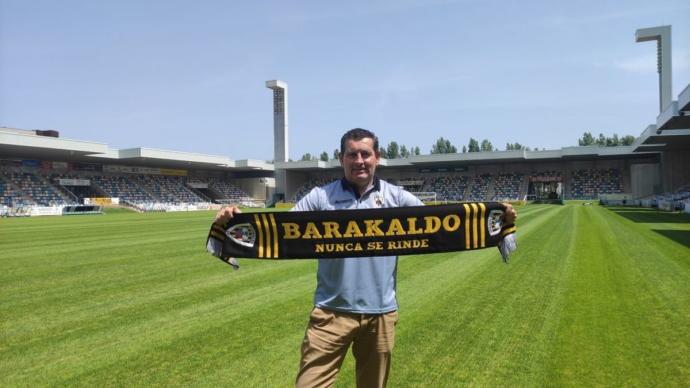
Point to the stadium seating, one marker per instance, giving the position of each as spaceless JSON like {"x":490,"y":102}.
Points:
{"x":447,"y":187}
{"x":168,"y":189}
{"x":507,"y":187}
{"x":27,"y":187}
{"x":229,"y":192}
{"x":546,"y":175}
{"x":590,"y":183}
{"x":23,"y":188}
{"x":450,"y":187}
{"x":307,"y":186}
{"x":6,"y":194}
{"x":121,"y":187}
{"x":480,"y":187}
{"x":676,"y":200}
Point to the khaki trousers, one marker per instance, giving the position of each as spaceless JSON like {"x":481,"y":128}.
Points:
{"x":328,"y":337}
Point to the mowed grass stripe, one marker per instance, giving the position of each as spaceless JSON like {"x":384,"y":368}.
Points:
{"x":627,"y":321}
{"x":64,"y":311}
{"x":260,"y":348}
{"x":176,"y":316}
{"x":136,"y":289}
{"x":425,"y":285}
{"x":471,"y":329}
{"x":96,"y":342}
{"x":91,"y":237}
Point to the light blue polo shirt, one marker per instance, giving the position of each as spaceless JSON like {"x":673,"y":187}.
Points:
{"x":357,"y":285}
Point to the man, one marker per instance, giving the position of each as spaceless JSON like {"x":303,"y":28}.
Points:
{"x":355,"y":302}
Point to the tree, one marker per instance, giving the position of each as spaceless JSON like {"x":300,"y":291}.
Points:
{"x":393,"y":150}
{"x":383,"y":152}
{"x":443,"y":146}
{"x":416,"y":151}
{"x":464,"y":149}
{"x":336,"y":154}
{"x":612,"y":141}
{"x":605,"y":141}
{"x":515,"y":147}
{"x":587,"y":139}
{"x":404,"y":152}
{"x":473,"y":146}
{"x":486,"y":145}
{"x":307,"y":156}
{"x":601,"y":140}
{"x":627,"y":140}
{"x":324,"y":156}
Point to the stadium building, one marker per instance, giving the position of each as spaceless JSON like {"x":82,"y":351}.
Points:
{"x":44,"y":174}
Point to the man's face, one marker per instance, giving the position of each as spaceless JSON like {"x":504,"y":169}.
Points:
{"x":359,"y":161}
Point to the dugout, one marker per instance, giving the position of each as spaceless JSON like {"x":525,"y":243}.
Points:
{"x":81,"y":210}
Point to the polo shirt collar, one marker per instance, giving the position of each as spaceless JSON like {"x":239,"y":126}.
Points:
{"x":351,"y":189}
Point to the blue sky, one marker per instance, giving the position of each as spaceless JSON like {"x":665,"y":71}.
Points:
{"x":189,"y":76}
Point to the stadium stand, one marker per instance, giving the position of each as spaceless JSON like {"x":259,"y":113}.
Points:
{"x":590,"y":183}
{"x":230,"y":193}
{"x":413,"y":183}
{"x":77,"y":192}
{"x":306,"y":187}
{"x":546,"y":176}
{"x":447,"y":187}
{"x":127,"y":190}
{"x":6,"y":194}
{"x":24,"y":188}
{"x":480,"y":187}
{"x":545,"y":185}
{"x":168,"y":189}
{"x":507,"y":187}
{"x":677,"y":200}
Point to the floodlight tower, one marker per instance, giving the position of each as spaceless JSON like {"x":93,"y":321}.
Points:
{"x":662,"y":35}
{"x":280,"y":132}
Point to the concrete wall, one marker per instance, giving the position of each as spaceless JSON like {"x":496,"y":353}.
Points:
{"x":255,"y":187}
{"x":645,"y":179}
{"x":294,"y":181}
{"x":675,"y":170}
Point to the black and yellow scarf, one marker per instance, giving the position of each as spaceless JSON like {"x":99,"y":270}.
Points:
{"x":363,"y":232}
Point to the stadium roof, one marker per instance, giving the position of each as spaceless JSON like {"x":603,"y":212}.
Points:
{"x":654,"y":140}
{"x":676,"y":115}
{"x":476,"y":158}
{"x":25,"y":144}
{"x":672,"y":128}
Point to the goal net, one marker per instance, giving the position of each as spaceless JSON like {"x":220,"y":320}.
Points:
{"x":425,"y":196}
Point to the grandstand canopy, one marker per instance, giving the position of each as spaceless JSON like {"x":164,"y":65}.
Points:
{"x":672,"y":128}
{"x":481,"y":158}
{"x":677,"y":115}
{"x":684,"y":99}
{"x":671,"y":139}
{"x":18,"y":143}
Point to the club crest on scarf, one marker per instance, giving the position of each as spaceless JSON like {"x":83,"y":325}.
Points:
{"x":495,"y":222}
{"x":242,"y":234}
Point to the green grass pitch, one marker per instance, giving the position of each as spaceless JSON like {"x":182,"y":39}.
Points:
{"x":593,"y":297}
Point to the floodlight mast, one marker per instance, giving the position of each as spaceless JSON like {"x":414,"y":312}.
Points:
{"x":280,"y":132}
{"x":280,"y":119}
{"x":662,"y":35}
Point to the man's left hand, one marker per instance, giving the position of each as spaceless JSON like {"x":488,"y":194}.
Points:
{"x":510,"y":214}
